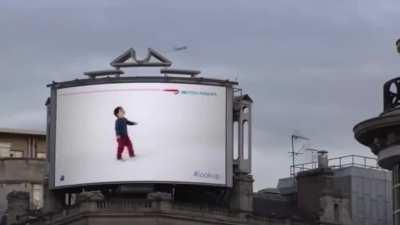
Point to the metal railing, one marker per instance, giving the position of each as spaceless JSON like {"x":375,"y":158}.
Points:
{"x":146,"y":205}
{"x":340,"y":162}
{"x":124,"y":204}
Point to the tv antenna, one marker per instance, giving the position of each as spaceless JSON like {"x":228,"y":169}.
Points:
{"x":293,"y":153}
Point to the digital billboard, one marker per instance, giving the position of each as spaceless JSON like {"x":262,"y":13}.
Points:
{"x":140,"y":132}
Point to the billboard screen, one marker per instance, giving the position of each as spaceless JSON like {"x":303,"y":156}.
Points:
{"x":140,"y":132}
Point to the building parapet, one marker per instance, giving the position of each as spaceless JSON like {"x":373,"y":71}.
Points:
{"x":15,"y":170}
{"x":153,"y":208}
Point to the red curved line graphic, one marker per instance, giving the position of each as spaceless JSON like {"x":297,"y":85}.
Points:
{"x":174,"y":91}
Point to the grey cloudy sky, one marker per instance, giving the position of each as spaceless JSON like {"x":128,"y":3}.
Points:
{"x":313,"y":66}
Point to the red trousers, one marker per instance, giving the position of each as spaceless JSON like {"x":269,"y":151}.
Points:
{"x":124,"y":141}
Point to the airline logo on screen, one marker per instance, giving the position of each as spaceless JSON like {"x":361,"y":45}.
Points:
{"x":207,"y":175}
{"x":186,"y":92}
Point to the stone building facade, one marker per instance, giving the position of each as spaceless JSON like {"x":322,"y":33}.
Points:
{"x":22,"y":165}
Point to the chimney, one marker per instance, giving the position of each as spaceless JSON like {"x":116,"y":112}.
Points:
{"x":313,"y":186}
{"x":323,"y":159}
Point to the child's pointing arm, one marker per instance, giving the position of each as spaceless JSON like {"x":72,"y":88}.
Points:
{"x":130,"y":122}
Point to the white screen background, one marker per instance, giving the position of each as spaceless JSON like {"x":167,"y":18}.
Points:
{"x":179,"y":137}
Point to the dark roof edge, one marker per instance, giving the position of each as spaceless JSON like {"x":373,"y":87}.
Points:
{"x":22,"y":131}
{"x":143,"y":79}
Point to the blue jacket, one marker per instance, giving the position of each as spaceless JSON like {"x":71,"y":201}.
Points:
{"x":121,"y":126}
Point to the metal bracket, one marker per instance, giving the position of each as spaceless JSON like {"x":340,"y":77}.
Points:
{"x":191,"y":73}
{"x":102,"y":73}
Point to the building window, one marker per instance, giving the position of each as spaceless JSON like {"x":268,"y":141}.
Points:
{"x":246,"y":140}
{"x":37,"y":196}
{"x":41,"y":155}
{"x":70,"y":199}
{"x":236,"y":140}
{"x":5,"y":150}
{"x":16,"y":154}
{"x":73,"y":199}
{"x":336,"y":212}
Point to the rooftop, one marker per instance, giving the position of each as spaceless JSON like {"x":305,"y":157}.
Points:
{"x":22,"y":131}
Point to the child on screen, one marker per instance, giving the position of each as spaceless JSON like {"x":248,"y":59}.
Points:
{"x":121,"y":131}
